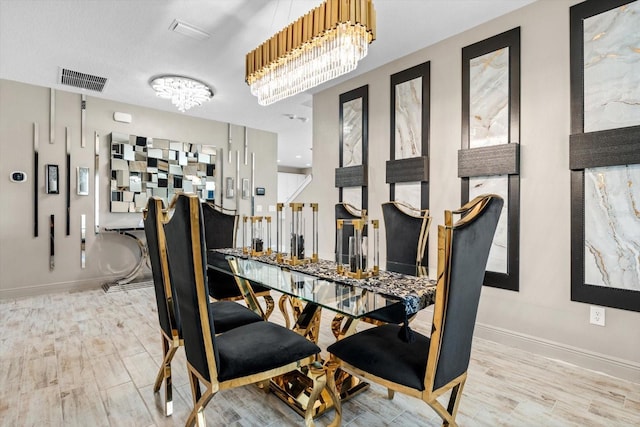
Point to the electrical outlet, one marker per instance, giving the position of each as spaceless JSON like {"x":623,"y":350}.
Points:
{"x":596,"y":315}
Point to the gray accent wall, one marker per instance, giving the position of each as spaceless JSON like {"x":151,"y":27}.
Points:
{"x":540,"y":317}
{"x":24,"y":259}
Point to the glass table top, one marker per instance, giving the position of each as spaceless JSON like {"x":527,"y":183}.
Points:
{"x":342,"y":298}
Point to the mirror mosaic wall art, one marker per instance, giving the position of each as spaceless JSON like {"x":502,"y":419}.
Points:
{"x":142,"y":167}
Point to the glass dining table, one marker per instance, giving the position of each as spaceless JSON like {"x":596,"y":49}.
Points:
{"x":309,"y":288}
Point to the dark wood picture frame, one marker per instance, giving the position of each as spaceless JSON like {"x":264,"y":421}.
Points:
{"x":413,"y":169}
{"x":354,"y":176}
{"x":498,"y":159}
{"x":613,"y":147}
{"x":52,"y":179}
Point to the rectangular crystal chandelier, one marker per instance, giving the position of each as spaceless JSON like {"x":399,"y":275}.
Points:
{"x":325,"y":43}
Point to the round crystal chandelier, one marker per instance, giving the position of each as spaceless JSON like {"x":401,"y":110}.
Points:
{"x":312,"y":50}
{"x":183,"y":92}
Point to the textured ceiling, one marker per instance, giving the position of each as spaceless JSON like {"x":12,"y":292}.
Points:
{"x":129,"y":42}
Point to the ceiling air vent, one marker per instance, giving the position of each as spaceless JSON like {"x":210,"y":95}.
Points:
{"x":82,"y":80}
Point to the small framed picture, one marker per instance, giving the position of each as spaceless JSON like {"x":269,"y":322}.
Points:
{"x":51,"y":179}
{"x":246,"y":192}
{"x":229,"y":190}
{"x":82,"y":184}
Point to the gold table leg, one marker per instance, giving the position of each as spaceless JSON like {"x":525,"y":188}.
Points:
{"x":296,"y":388}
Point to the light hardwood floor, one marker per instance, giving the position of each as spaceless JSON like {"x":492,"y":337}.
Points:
{"x":90,"y":359}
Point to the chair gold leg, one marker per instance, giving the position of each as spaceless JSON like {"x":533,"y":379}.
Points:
{"x":447,"y":419}
{"x":454,"y":401}
{"x":390,"y":394}
{"x":195,"y":388}
{"x":200,"y":421}
{"x":196,"y":417}
{"x":168,"y":393}
{"x":164,"y":374}
{"x":160,"y":376}
{"x":448,"y":415}
{"x":200,"y":401}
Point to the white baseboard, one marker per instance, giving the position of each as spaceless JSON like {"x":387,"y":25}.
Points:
{"x":620,"y":368}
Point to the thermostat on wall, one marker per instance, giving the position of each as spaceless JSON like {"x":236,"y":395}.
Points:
{"x":18,"y":176}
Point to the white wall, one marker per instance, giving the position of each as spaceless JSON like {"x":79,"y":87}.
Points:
{"x":540,"y":317}
{"x":24,"y":259}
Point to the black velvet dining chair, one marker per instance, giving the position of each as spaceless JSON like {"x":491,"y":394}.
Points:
{"x":428,"y":367}
{"x":248,"y":354}
{"x":406,"y":230}
{"x":221,"y":228}
{"x":228,"y":314}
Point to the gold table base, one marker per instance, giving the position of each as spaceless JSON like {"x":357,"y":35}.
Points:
{"x":294,"y":389}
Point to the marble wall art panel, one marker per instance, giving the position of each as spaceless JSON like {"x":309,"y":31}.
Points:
{"x":143,"y":167}
{"x":499,"y":248}
{"x":409,"y":193}
{"x":352,"y":133}
{"x":612,"y":69}
{"x":408,"y":118}
{"x":612,"y":227}
{"x":353,"y":196}
{"x":490,"y":120}
{"x":489,"y":99}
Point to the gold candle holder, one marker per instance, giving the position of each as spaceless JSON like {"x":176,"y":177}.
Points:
{"x":279,"y":227}
{"x":296,"y":246}
{"x":245,"y":235}
{"x":268,"y":249}
{"x":314,"y":231}
{"x":260,"y":243}
{"x":296,"y":253}
{"x":257,"y":233}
